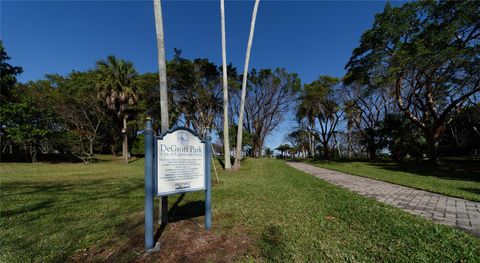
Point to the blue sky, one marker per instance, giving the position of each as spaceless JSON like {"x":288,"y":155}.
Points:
{"x":310,"y":38}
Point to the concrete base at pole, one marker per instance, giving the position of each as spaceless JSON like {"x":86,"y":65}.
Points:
{"x":156,"y":248}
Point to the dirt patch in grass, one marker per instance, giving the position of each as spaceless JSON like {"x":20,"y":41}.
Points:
{"x":187,"y":241}
{"x":182,"y":241}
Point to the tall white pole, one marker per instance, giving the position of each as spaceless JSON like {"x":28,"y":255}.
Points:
{"x":162,"y":72}
{"x":238,"y":155}
{"x":161,"y":65}
{"x":226,"y":139}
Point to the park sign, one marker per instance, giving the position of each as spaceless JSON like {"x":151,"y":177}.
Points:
{"x":177,"y":161}
{"x":180,"y":162}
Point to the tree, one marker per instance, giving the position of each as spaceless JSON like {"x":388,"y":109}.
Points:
{"x":162,"y":73}
{"x":306,"y":110}
{"x":205,"y":97}
{"x":462,"y":135}
{"x":162,"y":68}
{"x":269,"y":97}
{"x":352,"y":115}
{"x":326,"y":106}
{"x":402,"y":137}
{"x":246,"y":140}
{"x":299,"y":139}
{"x":238,"y":155}
{"x":8,"y":75}
{"x":81,"y":110}
{"x":29,"y":118}
{"x":8,"y":79}
{"x":197,"y":92}
{"x":149,"y":99}
{"x":283,"y":148}
{"x":226,"y":140}
{"x":426,"y":54}
{"x":366,"y":108}
{"x":115,"y":83}
{"x":268,"y":152}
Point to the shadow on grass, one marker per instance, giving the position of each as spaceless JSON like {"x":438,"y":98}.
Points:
{"x":28,"y":208}
{"x":465,"y":170}
{"x":471,"y":190}
{"x":187,"y":211}
{"x":98,"y":204}
{"x":451,"y":171}
{"x":63,"y":195}
{"x":273,"y":244}
{"x":181,"y":212}
{"x":222,"y":163}
{"x":133,"y":160}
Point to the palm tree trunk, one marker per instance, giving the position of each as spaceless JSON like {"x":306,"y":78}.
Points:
{"x":236,"y":165}
{"x":125,"y":139}
{"x":162,"y":71}
{"x":226,"y":140}
{"x":161,"y":66}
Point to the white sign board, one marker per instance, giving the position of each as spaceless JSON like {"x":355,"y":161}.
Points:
{"x":180,"y":163}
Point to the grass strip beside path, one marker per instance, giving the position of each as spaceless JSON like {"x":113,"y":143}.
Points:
{"x":54,"y":212}
{"x":460,"y":180}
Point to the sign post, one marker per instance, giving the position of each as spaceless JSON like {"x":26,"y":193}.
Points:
{"x":208,"y":183}
{"x":148,"y":140}
{"x":177,"y":161}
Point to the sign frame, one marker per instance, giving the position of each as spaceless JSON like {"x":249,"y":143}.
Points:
{"x":155,"y":163}
{"x":150,"y":141}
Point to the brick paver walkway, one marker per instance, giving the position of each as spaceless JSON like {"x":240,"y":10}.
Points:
{"x":443,"y":209}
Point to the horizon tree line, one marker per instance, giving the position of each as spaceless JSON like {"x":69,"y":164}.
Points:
{"x":411,"y":89}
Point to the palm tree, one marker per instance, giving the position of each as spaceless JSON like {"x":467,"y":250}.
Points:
{"x":162,"y":68}
{"x":299,"y":139}
{"x":115,"y":84}
{"x":283,"y":148}
{"x":268,"y":152}
{"x":162,"y":72}
{"x":306,"y":109}
{"x":238,"y":155}
{"x":226,"y":140}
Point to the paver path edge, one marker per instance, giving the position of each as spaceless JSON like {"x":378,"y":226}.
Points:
{"x":452,"y":211}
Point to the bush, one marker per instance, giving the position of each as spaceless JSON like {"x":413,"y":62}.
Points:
{"x":138,"y":146}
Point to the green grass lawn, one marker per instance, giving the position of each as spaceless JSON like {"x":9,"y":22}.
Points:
{"x":458,"y":179}
{"x":56,"y":212}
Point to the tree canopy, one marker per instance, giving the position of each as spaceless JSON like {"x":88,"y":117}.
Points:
{"x":427,"y":55}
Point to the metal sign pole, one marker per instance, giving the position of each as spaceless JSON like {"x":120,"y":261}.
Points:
{"x":148,"y":140}
{"x":208,"y":183}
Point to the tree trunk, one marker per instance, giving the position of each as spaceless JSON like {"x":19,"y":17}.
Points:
{"x":33,"y":153}
{"x":162,"y":71}
{"x":349,"y":146}
{"x":125,"y":140}
{"x":310,"y":144}
{"x":162,"y":68}
{"x":226,"y":140}
{"x":112,"y":148}
{"x":313,"y":146}
{"x":372,"y":151}
{"x":433,"y":156}
{"x":325,"y":151}
{"x":90,"y":150}
{"x":236,"y":165}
